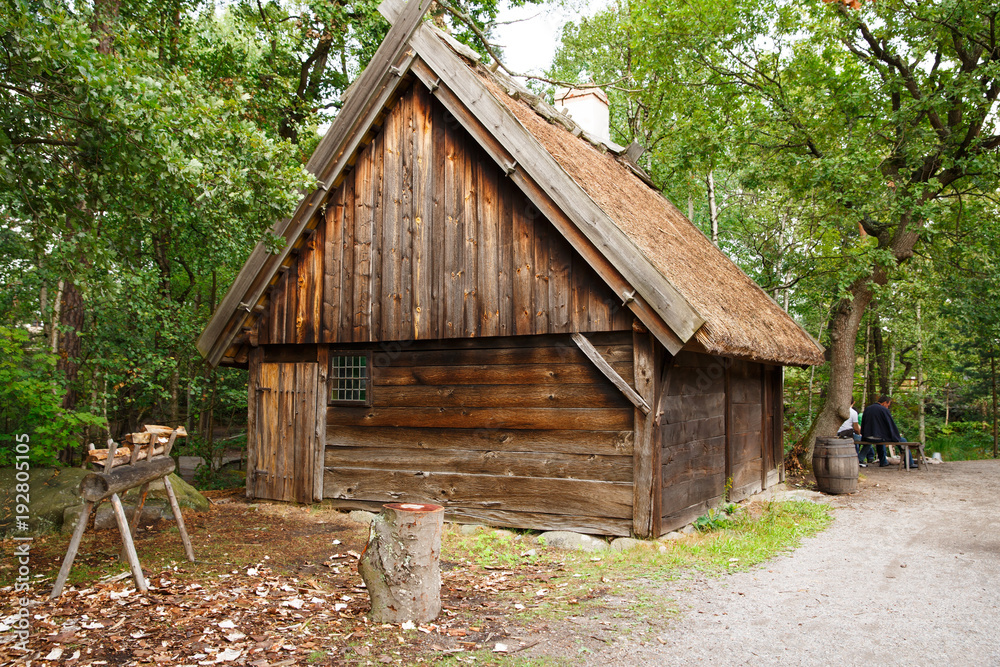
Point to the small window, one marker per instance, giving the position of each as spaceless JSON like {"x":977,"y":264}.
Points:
{"x":350,"y":377}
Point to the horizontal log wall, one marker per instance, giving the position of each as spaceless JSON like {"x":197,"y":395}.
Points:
{"x":693,"y":438}
{"x":426,"y":239}
{"x":516,"y":432}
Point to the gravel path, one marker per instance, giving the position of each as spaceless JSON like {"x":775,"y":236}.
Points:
{"x":907,"y":574}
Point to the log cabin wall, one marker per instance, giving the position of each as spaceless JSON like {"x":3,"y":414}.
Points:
{"x":426,"y":238}
{"x":522,"y":432}
{"x":745,"y":429}
{"x":720,"y":420}
{"x":692,"y":437}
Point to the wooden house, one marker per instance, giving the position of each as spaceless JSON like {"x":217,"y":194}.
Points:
{"x":482,"y":305}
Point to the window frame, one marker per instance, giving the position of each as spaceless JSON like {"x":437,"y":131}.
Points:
{"x":334,"y":379}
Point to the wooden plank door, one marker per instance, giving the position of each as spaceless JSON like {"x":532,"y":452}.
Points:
{"x":282,"y":442}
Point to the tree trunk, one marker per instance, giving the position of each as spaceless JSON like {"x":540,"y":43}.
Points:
{"x":71,"y":319}
{"x":865,"y":393}
{"x":844,"y":324}
{"x":947,"y":403}
{"x":175,"y":394}
{"x":881,"y":355}
{"x":401,"y":563}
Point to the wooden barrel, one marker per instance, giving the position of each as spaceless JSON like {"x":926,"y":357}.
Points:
{"x":835,"y":464}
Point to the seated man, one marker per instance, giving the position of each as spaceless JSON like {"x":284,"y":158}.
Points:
{"x":852,"y":429}
{"x":878,"y":426}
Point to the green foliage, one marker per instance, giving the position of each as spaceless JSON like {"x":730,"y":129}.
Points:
{"x":714,"y":520}
{"x":31,"y":402}
{"x":491,"y":548}
{"x":206,"y":479}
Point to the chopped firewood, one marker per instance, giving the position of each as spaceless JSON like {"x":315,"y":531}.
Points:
{"x":164,"y":430}
{"x":124,"y":454}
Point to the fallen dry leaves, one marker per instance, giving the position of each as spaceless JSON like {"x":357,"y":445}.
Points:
{"x":274,"y":585}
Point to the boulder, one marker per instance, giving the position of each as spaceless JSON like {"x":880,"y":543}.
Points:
{"x":152,"y":512}
{"x":672,"y":536}
{"x":470,"y":528}
{"x":627,"y":543}
{"x":52,"y":490}
{"x":187,"y":496}
{"x":55,"y":499}
{"x":565,"y":539}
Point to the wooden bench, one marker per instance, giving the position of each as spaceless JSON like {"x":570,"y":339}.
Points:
{"x":904,"y":455}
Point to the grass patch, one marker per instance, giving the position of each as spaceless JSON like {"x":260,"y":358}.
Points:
{"x":554,"y":583}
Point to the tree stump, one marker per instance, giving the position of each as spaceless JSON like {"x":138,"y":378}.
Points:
{"x":401,"y":563}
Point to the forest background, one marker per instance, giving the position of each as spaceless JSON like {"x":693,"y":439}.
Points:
{"x":844,"y":154}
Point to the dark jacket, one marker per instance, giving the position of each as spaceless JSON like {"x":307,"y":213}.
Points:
{"x":877,"y":425}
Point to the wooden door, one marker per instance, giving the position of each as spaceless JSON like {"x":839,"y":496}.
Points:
{"x":282,"y":438}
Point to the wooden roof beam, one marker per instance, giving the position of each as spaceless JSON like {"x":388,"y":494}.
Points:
{"x":602,"y":365}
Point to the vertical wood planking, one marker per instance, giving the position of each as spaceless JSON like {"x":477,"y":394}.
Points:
{"x":560,"y":285}
{"x":319,"y":421}
{"x":363,"y":211}
{"x":348,"y":272}
{"x":439,"y":225}
{"x":386,"y":298}
{"x":428,"y":238}
{"x":505,"y":258}
{"x":292,"y":289}
{"x":253,"y":423}
{"x":277,"y":314}
{"x":470,"y":241}
{"x":540,"y":291}
{"x":524,"y":261}
{"x":454,"y":237}
{"x":333,"y":248}
{"x":375,"y":295}
{"x":646,"y":454}
{"x":307,"y":387}
{"x":488,"y":247}
{"x":314,"y":333}
{"x":779,"y":421}
{"x":403,"y":286}
{"x":424,"y":187}
{"x":578,"y":297}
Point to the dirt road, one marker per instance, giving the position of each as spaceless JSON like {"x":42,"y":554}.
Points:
{"x":908,"y":574}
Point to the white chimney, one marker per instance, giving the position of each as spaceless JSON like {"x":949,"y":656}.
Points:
{"x":588,"y":107}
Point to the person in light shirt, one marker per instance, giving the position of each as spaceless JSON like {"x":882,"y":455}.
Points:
{"x":851,"y":428}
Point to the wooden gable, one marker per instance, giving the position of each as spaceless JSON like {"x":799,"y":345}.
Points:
{"x":427,"y":238}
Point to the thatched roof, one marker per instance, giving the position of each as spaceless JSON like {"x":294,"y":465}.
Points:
{"x":741,"y":320}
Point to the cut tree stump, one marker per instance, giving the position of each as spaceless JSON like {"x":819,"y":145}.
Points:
{"x":401,"y":564}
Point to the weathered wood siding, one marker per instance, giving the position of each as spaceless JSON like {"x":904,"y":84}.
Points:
{"x":427,"y":239}
{"x":521,"y":432}
{"x":284,"y":429}
{"x":721,"y":419}
{"x":773,"y":409}
{"x":692,"y":437}
{"x":746,"y":428}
